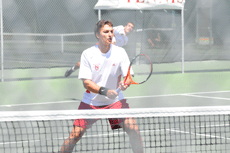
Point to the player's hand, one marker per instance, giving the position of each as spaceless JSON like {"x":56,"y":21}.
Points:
{"x":112,"y":94}
{"x":123,"y":86}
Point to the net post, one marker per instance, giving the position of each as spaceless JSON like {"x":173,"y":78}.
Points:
{"x":2,"y":67}
{"x":210,"y":34}
{"x":99,"y":14}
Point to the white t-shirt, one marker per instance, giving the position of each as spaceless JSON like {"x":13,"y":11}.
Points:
{"x":104,"y":70}
{"x":120,"y":37}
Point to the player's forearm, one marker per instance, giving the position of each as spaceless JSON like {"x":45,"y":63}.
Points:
{"x":91,"y":86}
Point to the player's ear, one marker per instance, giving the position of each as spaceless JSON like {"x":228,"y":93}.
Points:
{"x":97,"y":35}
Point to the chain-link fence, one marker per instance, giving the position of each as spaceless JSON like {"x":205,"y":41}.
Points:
{"x":49,"y":34}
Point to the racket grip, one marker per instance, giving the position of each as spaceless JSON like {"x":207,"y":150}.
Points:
{"x":118,"y":90}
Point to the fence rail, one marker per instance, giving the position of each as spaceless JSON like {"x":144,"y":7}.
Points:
{"x":49,"y":34}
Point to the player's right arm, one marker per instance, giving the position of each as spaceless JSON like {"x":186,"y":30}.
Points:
{"x":93,"y":87}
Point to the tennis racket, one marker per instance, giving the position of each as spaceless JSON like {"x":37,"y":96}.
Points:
{"x":139,"y":71}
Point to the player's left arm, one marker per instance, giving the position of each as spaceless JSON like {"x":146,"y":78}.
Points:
{"x":124,"y":69}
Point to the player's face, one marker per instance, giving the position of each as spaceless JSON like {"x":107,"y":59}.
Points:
{"x":106,"y":35}
{"x":129,"y":28}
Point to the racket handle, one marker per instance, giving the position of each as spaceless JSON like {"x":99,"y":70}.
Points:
{"x":118,"y":90}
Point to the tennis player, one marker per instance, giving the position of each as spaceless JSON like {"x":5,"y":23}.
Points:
{"x":120,"y":39}
{"x":101,"y":69}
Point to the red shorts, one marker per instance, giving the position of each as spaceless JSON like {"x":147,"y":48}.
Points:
{"x":114,"y":122}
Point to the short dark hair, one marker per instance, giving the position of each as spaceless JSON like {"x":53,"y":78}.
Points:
{"x":100,"y":24}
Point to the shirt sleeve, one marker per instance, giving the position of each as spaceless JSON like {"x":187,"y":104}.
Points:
{"x":120,"y":36}
{"x":121,"y":40}
{"x":122,"y":32}
{"x":85,"y":71}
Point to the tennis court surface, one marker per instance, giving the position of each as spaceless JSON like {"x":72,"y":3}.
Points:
{"x":169,"y":120}
{"x":183,"y":108}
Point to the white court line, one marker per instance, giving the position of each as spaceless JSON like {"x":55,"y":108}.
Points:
{"x":45,"y":103}
{"x":182,"y":94}
{"x":121,"y":133}
{"x":198,"y":134}
{"x":218,"y":98}
{"x":135,"y":97}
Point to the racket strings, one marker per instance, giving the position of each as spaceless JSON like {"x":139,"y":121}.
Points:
{"x":142,"y":69}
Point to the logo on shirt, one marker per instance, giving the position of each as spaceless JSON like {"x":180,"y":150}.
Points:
{"x":113,"y":64}
{"x":96,"y":66}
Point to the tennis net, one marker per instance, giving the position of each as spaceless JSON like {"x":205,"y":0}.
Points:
{"x":163,"y":130}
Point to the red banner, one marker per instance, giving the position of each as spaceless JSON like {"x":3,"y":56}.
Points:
{"x":139,"y":4}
